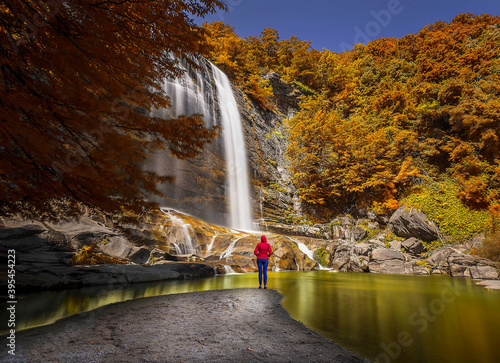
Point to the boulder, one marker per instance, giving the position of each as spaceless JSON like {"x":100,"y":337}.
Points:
{"x":388,"y":267}
{"x":337,"y":232}
{"x":477,"y":241}
{"x":414,"y":246}
{"x":160,"y":254}
{"x":463,"y":265}
{"x":362,"y":249}
{"x":439,"y":257}
{"x":116,"y":246}
{"x":358,"y":233}
{"x":387,"y":261}
{"x":482,"y":272}
{"x":383,"y":220}
{"x":395,"y":245}
{"x":413,"y":268}
{"x":139,"y":255}
{"x":371,"y":215}
{"x":340,"y":263}
{"x":356,"y":264}
{"x":489,"y":284}
{"x":412,"y":223}
{"x":384,"y":254}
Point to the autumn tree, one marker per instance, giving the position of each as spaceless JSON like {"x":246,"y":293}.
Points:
{"x":430,"y":99}
{"x":78,"y":79}
{"x":339,"y":162}
{"x":240,"y":59}
{"x":227,"y":50}
{"x":384,"y":113}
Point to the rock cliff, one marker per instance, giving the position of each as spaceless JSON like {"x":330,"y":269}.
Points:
{"x":266,"y":137}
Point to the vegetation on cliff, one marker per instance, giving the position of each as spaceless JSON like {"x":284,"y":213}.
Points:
{"x":387,"y":117}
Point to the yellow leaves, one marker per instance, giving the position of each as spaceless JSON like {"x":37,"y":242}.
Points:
{"x":489,"y":142}
{"x":495,"y":209}
{"x":407,"y":172}
{"x":89,"y":255}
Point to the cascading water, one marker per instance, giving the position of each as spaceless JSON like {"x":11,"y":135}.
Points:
{"x":229,"y":270}
{"x":236,"y":155}
{"x":215,"y":183}
{"x":209,"y":247}
{"x":229,"y":250}
{"x":180,"y":234}
{"x":306,"y":251}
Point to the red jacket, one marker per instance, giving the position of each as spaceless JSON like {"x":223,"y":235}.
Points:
{"x":263,"y":250}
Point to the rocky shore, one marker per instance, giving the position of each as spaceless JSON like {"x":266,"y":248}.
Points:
{"x":243,"y":325}
{"x":172,"y":245}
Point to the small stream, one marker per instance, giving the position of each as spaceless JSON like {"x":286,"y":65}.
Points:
{"x":386,"y":318}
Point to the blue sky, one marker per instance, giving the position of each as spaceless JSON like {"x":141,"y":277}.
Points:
{"x":338,"y":25}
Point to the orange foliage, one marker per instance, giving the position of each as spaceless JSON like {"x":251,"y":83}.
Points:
{"x":245,"y":59}
{"x":432,"y":98}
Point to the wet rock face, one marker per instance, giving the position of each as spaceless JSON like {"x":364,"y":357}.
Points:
{"x":266,"y":137}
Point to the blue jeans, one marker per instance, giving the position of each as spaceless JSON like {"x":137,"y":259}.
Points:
{"x":262,"y":264}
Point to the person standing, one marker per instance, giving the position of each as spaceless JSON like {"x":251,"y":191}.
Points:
{"x":263,"y":251}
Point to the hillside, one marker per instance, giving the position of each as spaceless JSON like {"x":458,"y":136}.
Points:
{"x":384,"y":124}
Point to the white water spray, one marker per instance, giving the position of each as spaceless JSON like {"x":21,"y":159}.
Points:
{"x":180,"y":235}
{"x":229,"y":270}
{"x":229,"y":250}
{"x":306,"y":251}
{"x":210,"y":245}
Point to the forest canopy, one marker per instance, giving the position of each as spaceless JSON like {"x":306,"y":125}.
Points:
{"x":77,"y":81}
{"x":385,"y":118}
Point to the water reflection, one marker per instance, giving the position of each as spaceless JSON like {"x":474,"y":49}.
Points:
{"x":388,"y":318}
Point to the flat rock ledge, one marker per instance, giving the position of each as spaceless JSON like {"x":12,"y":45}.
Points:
{"x":37,"y":277}
{"x":489,"y":284}
{"x":241,"y":325}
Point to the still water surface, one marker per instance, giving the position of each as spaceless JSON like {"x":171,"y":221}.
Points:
{"x":387,"y":318}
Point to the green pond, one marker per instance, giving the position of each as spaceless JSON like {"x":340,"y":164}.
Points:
{"x":385,"y":318}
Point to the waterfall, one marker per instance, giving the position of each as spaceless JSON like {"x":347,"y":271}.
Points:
{"x":200,"y":187}
{"x":178,"y":250}
{"x":229,"y":270}
{"x":236,"y":155}
{"x":180,"y":235}
{"x":305,"y":250}
{"x":209,"y":247}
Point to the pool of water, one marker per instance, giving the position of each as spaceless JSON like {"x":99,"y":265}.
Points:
{"x":386,"y":318}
